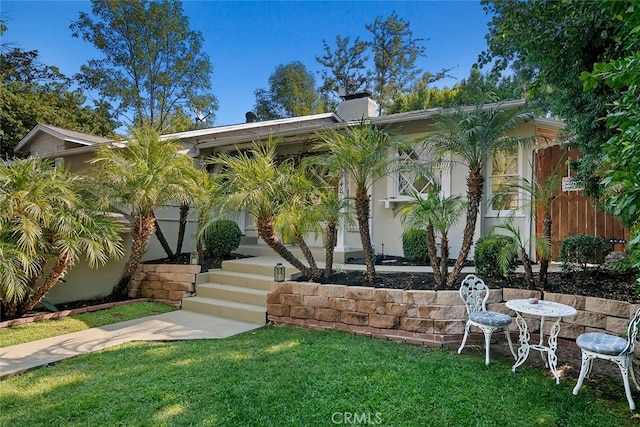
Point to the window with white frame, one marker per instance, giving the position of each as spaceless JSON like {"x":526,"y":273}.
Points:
{"x":408,"y":179}
{"x":504,"y":178}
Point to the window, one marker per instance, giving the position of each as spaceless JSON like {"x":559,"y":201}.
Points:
{"x":409,"y":181}
{"x":505,"y":176}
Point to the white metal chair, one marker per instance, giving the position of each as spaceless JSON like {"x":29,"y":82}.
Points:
{"x":610,"y":347}
{"x":474,"y":294}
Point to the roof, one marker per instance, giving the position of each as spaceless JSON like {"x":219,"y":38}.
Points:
{"x":60,"y":133}
{"x":293,"y":129}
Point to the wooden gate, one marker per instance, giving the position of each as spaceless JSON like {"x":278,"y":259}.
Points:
{"x":571,"y":212}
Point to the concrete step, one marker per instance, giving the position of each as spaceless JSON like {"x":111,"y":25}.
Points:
{"x":251,"y":266}
{"x":233,"y":293}
{"x":227,"y":309}
{"x":243,"y":280}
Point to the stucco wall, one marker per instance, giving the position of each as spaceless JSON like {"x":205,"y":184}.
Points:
{"x":426,"y":317}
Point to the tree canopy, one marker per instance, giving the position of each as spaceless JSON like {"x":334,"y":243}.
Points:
{"x":291,"y":93}
{"x":32,"y":92}
{"x":153,"y":71}
{"x":557,"y":41}
{"x":384,"y":65}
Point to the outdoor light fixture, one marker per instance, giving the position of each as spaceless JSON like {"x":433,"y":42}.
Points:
{"x":193,"y":258}
{"x":278,"y":272}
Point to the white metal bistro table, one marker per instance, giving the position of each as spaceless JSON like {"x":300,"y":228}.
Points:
{"x":542,"y":309}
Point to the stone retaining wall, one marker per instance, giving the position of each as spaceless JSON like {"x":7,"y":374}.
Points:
{"x":166,"y":283}
{"x":434,"y":318}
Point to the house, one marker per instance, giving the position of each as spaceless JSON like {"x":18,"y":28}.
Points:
{"x":297,"y":136}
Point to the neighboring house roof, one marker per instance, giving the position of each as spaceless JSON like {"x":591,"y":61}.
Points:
{"x":62,"y":134}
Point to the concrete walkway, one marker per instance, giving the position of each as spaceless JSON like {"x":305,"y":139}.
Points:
{"x":176,"y":325}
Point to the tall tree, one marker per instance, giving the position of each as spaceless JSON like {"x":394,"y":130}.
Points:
{"x":32,"y":92}
{"x":46,"y":226}
{"x":395,"y":52}
{"x":142,"y":174}
{"x":361,"y":154}
{"x":291,"y":93}
{"x":621,"y":159}
{"x":471,"y":138}
{"x":153,"y":65}
{"x":558,"y":40}
{"x":345,"y":67}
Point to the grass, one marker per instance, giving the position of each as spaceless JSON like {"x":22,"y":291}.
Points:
{"x":295,"y":377}
{"x":78,"y":322}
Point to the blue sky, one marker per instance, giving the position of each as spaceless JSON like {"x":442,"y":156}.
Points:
{"x":246,"y":40}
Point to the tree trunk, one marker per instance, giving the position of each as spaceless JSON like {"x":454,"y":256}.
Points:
{"x":308,"y":255}
{"x":444,"y":255}
{"x":475,"y":181}
{"x":362,"y":215}
{"x":331,"y":230}
{"x":433,"y":256}
{"x":544,"y":262}
{"x":264,"y":227}
{"x":15,"y":306}
{"x":58,"y":272}
{"x":162,"y":239}
{"x":182,"y":226}
{"x":142,"y":230}
{"x":528,"y":272}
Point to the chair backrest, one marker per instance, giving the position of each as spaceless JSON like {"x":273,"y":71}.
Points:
{"x":632,"y":332}
{"x":474,"y":293}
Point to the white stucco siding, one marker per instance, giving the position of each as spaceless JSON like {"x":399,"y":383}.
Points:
{"x":167,"y":217}
{"x":84,"y":283}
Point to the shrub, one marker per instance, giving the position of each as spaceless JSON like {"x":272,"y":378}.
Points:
{"x":414,"y":245}
{"x":487,"y":253}
{"x":582,"y":249}
{"x":222,"y":238}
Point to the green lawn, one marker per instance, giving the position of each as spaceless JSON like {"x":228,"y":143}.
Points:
{"x":78,"y":322}
{"x":282,"y":376}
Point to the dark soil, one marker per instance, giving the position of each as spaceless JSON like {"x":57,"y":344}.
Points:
{"x":595,"y":283}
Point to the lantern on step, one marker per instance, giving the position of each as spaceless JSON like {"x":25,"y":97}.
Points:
{"x":278,"y":272}
{"x":193,"y":258}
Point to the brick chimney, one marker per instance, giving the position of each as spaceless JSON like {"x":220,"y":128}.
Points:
{"x":357,"y":107}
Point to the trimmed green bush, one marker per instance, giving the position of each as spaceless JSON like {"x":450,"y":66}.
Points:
{"x":414,"y":245}
{"x":222,"y":238}
{"x":487,"y":253}
{"x":582,"y":249}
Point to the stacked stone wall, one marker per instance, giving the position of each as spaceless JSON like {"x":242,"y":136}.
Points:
{"x":166,"y":283}
{"x":433,"y":318}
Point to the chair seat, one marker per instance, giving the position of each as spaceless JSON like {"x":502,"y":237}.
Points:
{"x":598,"y":342}
{"x":490,"y":318}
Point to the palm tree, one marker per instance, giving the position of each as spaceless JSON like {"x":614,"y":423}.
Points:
{"x":333,"y":210}
{"x":296,"y":219}
{"x":46,"y":226}
{"x":517,"y":246}
{"x":539,"y":197}
{"x":434,"y":213}
{"x":143,"y":174}
{"x":472,"y":137}
{"x":362,"y":154}
{"x":254,"y":182}
{"x":208,"y":203}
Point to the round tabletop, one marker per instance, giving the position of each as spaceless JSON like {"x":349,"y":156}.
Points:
{"x":542,"y":308}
